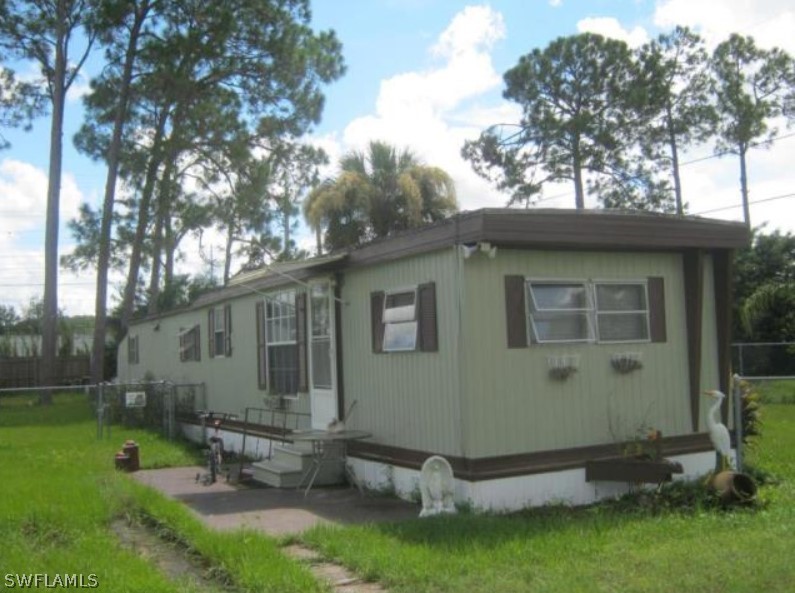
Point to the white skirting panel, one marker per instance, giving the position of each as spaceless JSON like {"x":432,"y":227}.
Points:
{"x":510,"y":494}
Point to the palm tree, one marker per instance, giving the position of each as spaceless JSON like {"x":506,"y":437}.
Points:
{"x":377,"y":193}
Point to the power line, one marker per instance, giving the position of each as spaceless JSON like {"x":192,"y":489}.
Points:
{"x":781,"y":197}
{"x":556,"y":196}
{"x":714,"y":155}
{"x":719,"y":154}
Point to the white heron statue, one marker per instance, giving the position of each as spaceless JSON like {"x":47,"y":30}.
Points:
{"x":718,"y":433}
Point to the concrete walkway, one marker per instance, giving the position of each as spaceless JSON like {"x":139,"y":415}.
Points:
{"x":272,"y":510}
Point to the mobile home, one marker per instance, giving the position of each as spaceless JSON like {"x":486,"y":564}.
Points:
{"x":521,"y":345}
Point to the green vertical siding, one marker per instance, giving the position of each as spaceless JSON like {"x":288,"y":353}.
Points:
{"x":474,"y":397}
{"x":230,"y":382}
{"x":406,"y":399}
{"x":513,"y":406}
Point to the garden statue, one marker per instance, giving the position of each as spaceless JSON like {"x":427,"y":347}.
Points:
{"x":718,"y":433}
{"x":436,"y":487}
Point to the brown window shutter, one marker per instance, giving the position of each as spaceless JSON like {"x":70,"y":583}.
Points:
{"x":197,"y":345}
{"x":211,"y":331}
{"x":300,"y":326}
{"x":228,"y":330}
{"x":515,"y":312}
{"x":377,"y":320}
{"x":262,"y":347}
{"x":428,"y":334}
{"x":656,"y":286}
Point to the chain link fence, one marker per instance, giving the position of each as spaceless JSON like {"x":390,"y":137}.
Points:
{"x":156,"y":405}
{"x":35,"y":396}
{"x":764,"y":360}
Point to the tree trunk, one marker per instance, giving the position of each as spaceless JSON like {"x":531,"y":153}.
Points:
{"x":153,"y":293}
{"x":230,"y":237}
{"x":49,"y":336}
{"x":680,"y":209}
{"x":100,"y":311}
{"x":170,"y":243}
{"x":744,"y":184}
{"x":286,"y":249}
{"x":579,"y":192}
{"x":136,"y":256}
{"x":159,"y":236}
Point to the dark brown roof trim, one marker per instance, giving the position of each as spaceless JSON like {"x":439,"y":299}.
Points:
{"x":559,"y":229}
{"x":234,"y":291}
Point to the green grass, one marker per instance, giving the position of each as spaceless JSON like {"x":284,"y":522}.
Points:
{"x":60,"y":495}
{"x":777,"y":392}
{"x":602,"y":548}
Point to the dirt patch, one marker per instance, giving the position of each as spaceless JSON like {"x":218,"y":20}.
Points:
{"x":340,"y":579}
{"x":176,"y":563}
{"x":179,"y":565}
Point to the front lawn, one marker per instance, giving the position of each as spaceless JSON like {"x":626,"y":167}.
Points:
{"x":60,"y":497}
{"x":603,"y":548}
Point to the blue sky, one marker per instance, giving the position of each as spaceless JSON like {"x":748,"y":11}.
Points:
{"x":425,"y":74}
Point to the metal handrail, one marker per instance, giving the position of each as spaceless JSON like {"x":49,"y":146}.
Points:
{"x":273,"y":412}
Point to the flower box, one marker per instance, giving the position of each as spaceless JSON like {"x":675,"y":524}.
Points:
{"x":626,"y":362}
{"x":631,"y":469}
{"x":561,"y":367}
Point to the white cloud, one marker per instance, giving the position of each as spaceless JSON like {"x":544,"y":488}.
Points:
{"x":610,"y":27}
{"x":771,"y":22}
{"x":80,"y":88}
{"x":23,"y":188}
{"x":433,"y":114}
{"x":712,"y":188}
{"x":24,"y":191}
{"x":555,"y":3}
{"x":331,"y":145}
{"x":714,"y":183}
{"x":432,"y":111}
{"x":465,"y":70}
{"x":474,"y":29}
{"x":482,"y":115}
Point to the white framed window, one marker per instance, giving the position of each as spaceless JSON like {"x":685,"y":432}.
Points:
{"x":622,"y":311}
{"x":400,"y":320}
{"x":560,"y":312}
{"x":281,"y":332}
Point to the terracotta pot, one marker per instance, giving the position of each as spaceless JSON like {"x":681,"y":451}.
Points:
{"x":130,"y":448}
{"x":122,"y":461}
{"x":734,"y":487}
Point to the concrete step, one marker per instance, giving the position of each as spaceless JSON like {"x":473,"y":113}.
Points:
{"x":275,"y":474}
{"x":291,"y":456}
{"x":288,"y":475}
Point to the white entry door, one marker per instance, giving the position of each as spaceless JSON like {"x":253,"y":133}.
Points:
{"x":322,"y":356}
